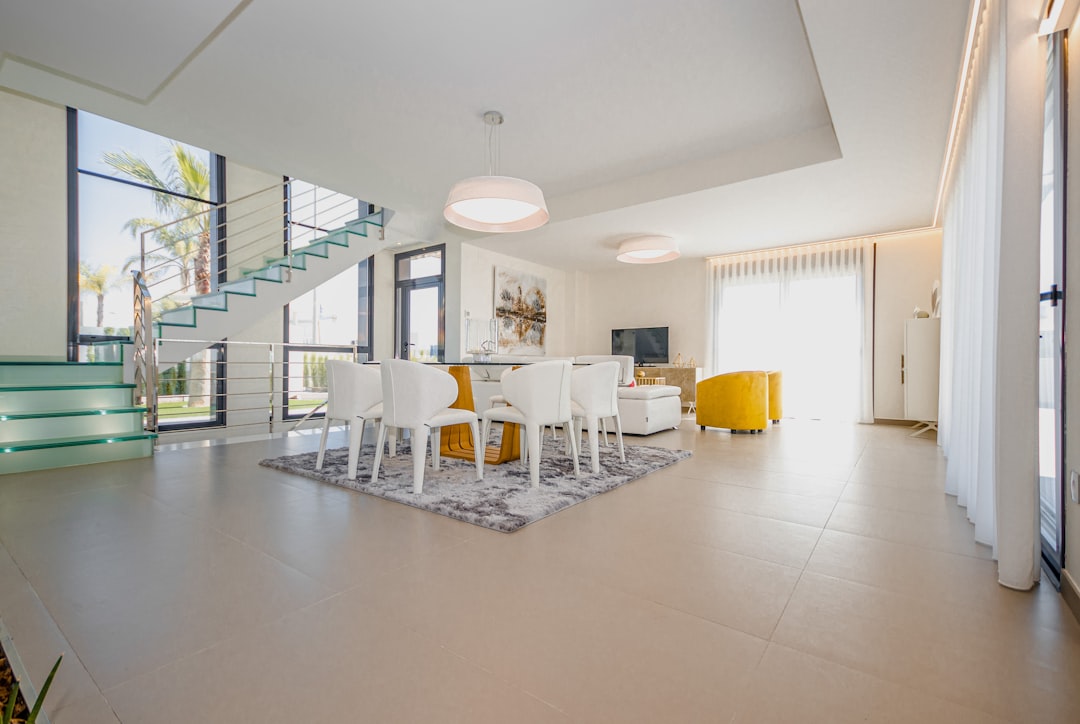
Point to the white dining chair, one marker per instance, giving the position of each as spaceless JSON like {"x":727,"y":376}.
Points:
{"x":353,"y":396}
{"x":594,"y":396}
{"x":538,"y":395}
{"x":417,"y":397}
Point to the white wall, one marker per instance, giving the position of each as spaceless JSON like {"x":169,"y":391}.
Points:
{"x":905,"y":268}
{"x":33,"y":227}
{"x":476,"y":289}
{"x":644,"y":295}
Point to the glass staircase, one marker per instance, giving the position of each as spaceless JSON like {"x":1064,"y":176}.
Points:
{"x":55,"y":414}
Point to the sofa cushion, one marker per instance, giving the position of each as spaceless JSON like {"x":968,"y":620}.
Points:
{"x":648,"y":392}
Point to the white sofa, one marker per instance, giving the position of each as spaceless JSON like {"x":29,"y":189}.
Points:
{"x":643,"y":410}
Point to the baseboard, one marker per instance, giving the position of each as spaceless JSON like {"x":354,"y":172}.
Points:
{"x":1071,"y":593}
{"x":888,"y":421}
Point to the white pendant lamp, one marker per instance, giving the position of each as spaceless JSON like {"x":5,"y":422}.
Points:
{"x":648,"y":250}
{"x":495,"y":203}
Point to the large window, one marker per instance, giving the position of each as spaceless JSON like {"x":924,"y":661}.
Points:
{"x":335,"y":313}
{"x":129,"y":181}
{"x":141,"y":201}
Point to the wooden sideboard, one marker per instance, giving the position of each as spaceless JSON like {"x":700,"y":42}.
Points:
{"x":685,"y":378}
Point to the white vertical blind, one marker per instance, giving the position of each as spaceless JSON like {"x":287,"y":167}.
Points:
{"x":767,"y":308}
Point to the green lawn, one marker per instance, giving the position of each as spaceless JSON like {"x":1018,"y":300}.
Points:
{"x":177,"y":408}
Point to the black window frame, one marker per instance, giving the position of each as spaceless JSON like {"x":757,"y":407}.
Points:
{"x":401,"y":286}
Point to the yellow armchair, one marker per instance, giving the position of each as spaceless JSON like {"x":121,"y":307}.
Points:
{"x":736,"y":400}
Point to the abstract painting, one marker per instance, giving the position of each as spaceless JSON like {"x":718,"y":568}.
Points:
{"x":521,"y":311}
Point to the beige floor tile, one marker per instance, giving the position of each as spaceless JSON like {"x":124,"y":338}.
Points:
{"x":909,"y":500}
{"x":790,"y":686}
{"x":953,"y":535}
{"x":593,"y":652}
{"x":331,"y":662}
{"x":137,"y":592}
{"x":92,"y":710}
{"x":744,"y":593}
{"x":804,"y":509}
{"x":1022,"y":673}
{"x":899,"y":477}
{"x":953,"y":580}
{"x":778,"y":541}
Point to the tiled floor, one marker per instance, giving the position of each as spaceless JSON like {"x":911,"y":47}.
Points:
{"x":816,"y":573}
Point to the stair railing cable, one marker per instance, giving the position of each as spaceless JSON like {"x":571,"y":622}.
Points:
{"x":256,"y":225}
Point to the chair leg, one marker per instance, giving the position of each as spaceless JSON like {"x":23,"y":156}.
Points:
{"x":523,"y":444}
{"x":419,"y":452}
{"x":392,"y":450}
{"x":574,"y":445}
{"x":603,"y":428}
{"x":356,"y":436}
{"x":618,"y":437}
{"x":436,"y":447}
{"x":322,"y":444}
{"x":594,"y":443}
{"x":532,"y":439}
{"x":478,"y":447}
{"x":378,"y":452}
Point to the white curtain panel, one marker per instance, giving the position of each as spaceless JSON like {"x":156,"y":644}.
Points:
{"x":991,"y":214}
{"x":971,"y":235}
{"x":803,"y":310}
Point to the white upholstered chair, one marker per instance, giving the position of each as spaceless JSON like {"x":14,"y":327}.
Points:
{"x":594,"y":396}
{"x":417,"y":398}
{"x":354,"y":396}
{"x":538,"y":395}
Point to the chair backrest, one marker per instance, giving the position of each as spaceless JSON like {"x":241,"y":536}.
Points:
{"x":626,"y":364}
{"x":413,"y":392}
{"x":541,"y":391}
{"x":596,"y":388}
{"x":351,"y":389}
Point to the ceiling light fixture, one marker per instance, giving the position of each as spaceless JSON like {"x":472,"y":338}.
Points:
{"x":648,"y":250}
{"x":495,"y":203}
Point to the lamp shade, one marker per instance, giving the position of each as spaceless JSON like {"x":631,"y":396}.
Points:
{"x":496,"y":204}
{"x":648,"y":250}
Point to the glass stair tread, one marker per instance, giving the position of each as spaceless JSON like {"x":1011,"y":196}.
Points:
{"x":23,"y":445}
{"x":70,"y":413}
{"x":77,"y":386}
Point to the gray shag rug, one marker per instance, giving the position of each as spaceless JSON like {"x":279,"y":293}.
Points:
{"x":504,"y":500}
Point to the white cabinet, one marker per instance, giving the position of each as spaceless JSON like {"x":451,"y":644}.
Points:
{"x":919,"y":368}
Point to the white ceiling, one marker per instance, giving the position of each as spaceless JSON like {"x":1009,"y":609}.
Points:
{"x":728,"y":124}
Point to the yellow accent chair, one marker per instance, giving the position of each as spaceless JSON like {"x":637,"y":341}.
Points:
{"x":776,"y":395}
{"x":735,"y":400}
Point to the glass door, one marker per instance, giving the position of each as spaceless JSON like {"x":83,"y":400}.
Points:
{"x":1051,"y":314}
{"x":420,"y":324}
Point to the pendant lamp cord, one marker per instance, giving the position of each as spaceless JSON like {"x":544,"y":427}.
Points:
{"x":493,"y":150}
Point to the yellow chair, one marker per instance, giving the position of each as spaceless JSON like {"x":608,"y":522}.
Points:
{"x":776,"y":395}
{"x":735,"y":400}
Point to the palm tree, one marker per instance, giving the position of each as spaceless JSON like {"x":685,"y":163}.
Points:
{"x":186,"y":244}
{"x":97,"y":282}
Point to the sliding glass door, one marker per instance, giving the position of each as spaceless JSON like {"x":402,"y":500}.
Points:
{"x":1051,"y":314}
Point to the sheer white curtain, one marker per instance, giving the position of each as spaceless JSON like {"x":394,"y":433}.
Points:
{"x":989,"y":336}
{"x":969,"y":262}
{"x":803,"y":310}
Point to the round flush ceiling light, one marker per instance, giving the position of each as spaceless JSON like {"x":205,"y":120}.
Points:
{"x":648,"y":250}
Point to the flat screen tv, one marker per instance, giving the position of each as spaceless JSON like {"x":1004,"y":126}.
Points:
{"x":648,"y":345}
